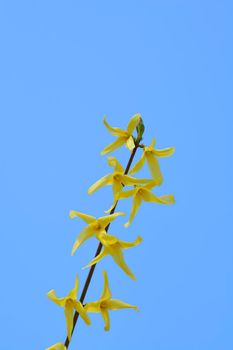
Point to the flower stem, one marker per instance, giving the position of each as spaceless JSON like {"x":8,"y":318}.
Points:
{"x":92,"y":268}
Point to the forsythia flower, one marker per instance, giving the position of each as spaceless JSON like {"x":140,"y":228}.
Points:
{"x":58,"y":346}
{"x":94,"y":228}
{"x":124,"y":136}
{"x":106,"y":303}
{"x":143,"y":193}
{"x":113,"y":246}
{"x":150,"y":155}
{"x":117,"y":179}
{"x":70,"y":303}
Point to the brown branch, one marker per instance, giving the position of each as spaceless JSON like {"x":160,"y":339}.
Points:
{"x":92,"y":268}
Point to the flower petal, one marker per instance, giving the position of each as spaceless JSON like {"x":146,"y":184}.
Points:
{"x":154,"y":167}
{"x":85,"y":234}
{"x":126,"y":245}
{"x":105,"y":180}
{"x":113,"y":130}
{"x":69,"y":318}
{"x":129,"y":180}
{"x":151,"y":184}
{"x":136,"y":204}
{"x":57,"y":346}
{"x":166,"y":152}
{"x":105,"y":315}
{"x":93,"y":306}
{"x":52,"y":296}
{"x":112,"y":161}
{"x":87,"y":218}
{"x":114,"y":145}
{"x":73,"y":293}
{"x":153,"y":142}
{"x":99,"y":257}
{"x":127,"y":194}
{"x":82,"y":312}
{"x":115,"y":304}
{"x":138,"y":165}
{"x":133,"y":123}
{"x":106,"y":291}
{"x":118,"y":257}
{"x":105,"y":220}
{"x":151,"y":197}
{"x":130,"y":143}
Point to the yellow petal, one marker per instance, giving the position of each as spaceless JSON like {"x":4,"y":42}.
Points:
{"x":105,"y":220}
{"x":151,"y":184}
{"x":126,"y":245}
{"x":105,"y":180}
{"x":93,"y":306}
{"x":136,"y":204}
{"x":113,"y":130}
{"x":105,"y":315}
{"x":73,"y":293}
{"x":57,"y":346}
{"x":69,"y":318}
{"x":154,"y":167}
{"x":82,"y":312}
{"x":87,"y":218}
{"x":153,"y":143}
{"x":166,"y":152}
{"x":133,"y":123}
{"x":118,"y":257}
{"x":107,"y":239}
{"x":112,"y":161}
{"x":94,"y":261}
{"x":106,"y":294}
{"x":127,"y":194}
{"x":151,"y":197}
{"x":130,"y":143}
{"x":85,"y":234}
{"x":59,"y":301}
{"x":138,"y":165}
{"x":113,"y":146}
{"x":115,"y":304}
{"x":129,"y":180}
{"x":116,"y":188}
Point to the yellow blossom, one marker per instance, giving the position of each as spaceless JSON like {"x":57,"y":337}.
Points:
{"x":106,"y":303}
{"x":114,"y":246}
{"x":123,"y":136}
{"x":94,"y":228}
{"x":143,"y":193}
{"x":57,"y":346}
{"x":70,"y":303}
{"x":117,"y":179}
{"x":150,"y":155}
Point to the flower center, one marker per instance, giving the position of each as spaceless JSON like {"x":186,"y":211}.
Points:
{"x":140,"y":191}
{"x":97,"y":226}
{"x":117,"y":177}
{"x":103,"y":305}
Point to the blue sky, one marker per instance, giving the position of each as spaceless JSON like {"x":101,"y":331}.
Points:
{"x":66,"y":64}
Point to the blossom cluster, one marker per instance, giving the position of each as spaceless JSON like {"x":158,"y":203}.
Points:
{"x":140,"y":191}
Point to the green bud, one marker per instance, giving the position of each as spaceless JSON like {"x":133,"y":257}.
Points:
{"x":140,"y":130}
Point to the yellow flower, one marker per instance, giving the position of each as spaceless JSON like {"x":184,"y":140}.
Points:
{"x":150,"y":155}
{"x":123,"y":136}
{"x":117,"y":179}
{"x":106,"y":303}
{"x":113,"y":246}
{"x":94,"y":228}
{"x":57,"y":346}
{"x":143,"y":193}
{"x":70,"y":303}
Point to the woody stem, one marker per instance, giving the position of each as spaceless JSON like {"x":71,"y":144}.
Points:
{"x":92,"y":268}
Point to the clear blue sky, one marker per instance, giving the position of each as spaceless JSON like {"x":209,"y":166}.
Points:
{"x":63,"y":66}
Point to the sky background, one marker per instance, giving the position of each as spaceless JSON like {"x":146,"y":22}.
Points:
{"x":63,"y":66}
